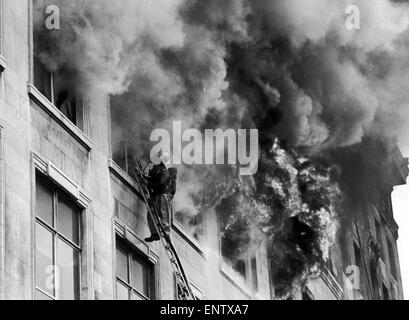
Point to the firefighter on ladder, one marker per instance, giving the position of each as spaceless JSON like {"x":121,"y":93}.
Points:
{"x":161,"y":182}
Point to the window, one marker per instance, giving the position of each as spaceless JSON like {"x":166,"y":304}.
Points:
{"x":57,"y":243}
{"x":240,"y":267}
{"x":392,"y":259}
{"x":193,"y":225}
{"x":57,"y":84}
{"x":254,"y":278}
{"x":134,"y":275}
{"x":379,"y":236}
{"x":359,"y":264}
{"x":124,"y":157}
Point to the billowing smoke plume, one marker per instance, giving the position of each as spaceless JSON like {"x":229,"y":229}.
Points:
{"x":289,"y":68}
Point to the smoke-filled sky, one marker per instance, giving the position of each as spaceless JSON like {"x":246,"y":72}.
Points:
{"x":290,"y":68}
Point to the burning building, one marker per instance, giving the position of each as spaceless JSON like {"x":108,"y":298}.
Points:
{"x":82,"y":85}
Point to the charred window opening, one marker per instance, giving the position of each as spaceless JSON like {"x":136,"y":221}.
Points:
{"x":123,"y":140}
{"x":235,"y":241}
{"x":240,"y":267}
{"x":56,"y":82}
{"x":234,"y":233}
{"x":124,"y":156}
{"x":191,"y":224}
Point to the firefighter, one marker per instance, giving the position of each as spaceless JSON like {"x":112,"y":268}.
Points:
{"x":159,"y":184}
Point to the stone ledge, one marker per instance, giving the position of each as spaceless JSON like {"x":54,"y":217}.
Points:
{"x":188,"y":238}
{"x":122,"y":230}
{"x":124,"y":178}
{"x":233,"y":278}
{"x":61,"y":119}
{"x":56,"y":175}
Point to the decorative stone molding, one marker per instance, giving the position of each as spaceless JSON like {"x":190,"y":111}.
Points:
{"x":50,"y":170}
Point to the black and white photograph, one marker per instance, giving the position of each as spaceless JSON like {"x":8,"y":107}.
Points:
{"x":221,"y":152}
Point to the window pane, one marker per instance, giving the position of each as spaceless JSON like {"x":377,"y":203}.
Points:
{"x":42,"y":78}
{"x":44,"y":260}
{"x":139,"y":276}
{"x":122,"y":263}
{"x":254,"y":274}
{"x":68,"y":224}
{"x":65,"y":101}
{"x":122,"y":292}
{"x":68,"y":268}
{"x":44,"y":204}
{"x":42,"y":296}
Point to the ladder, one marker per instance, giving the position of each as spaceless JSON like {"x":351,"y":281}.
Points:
{"x":184,"y":290}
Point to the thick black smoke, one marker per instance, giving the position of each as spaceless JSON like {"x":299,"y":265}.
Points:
{"x":324,"y":98}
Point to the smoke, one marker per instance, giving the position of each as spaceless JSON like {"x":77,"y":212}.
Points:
{"x":289,"y":68}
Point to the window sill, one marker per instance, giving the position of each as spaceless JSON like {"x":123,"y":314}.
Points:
{"x":132,"y":238}
{"x":56,"y":114}
{"x":3,"y":63}
{"x":124,"y":177}
{"x":231,"y":275}
{"x":188,"y":238}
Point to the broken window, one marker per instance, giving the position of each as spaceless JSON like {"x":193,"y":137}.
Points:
{"x":58,"y":247}
{"x":134,"y":274}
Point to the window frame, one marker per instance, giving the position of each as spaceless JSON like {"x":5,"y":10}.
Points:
{"x":47,"y":170}
{"x":131,"y":253}
{"x":79,"y":133}
{"x":57,"y":236}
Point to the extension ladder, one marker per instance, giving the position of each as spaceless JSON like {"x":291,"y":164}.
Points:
{"x":184,"y":291}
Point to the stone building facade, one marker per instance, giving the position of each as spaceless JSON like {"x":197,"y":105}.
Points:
{"x":71,"y":221}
